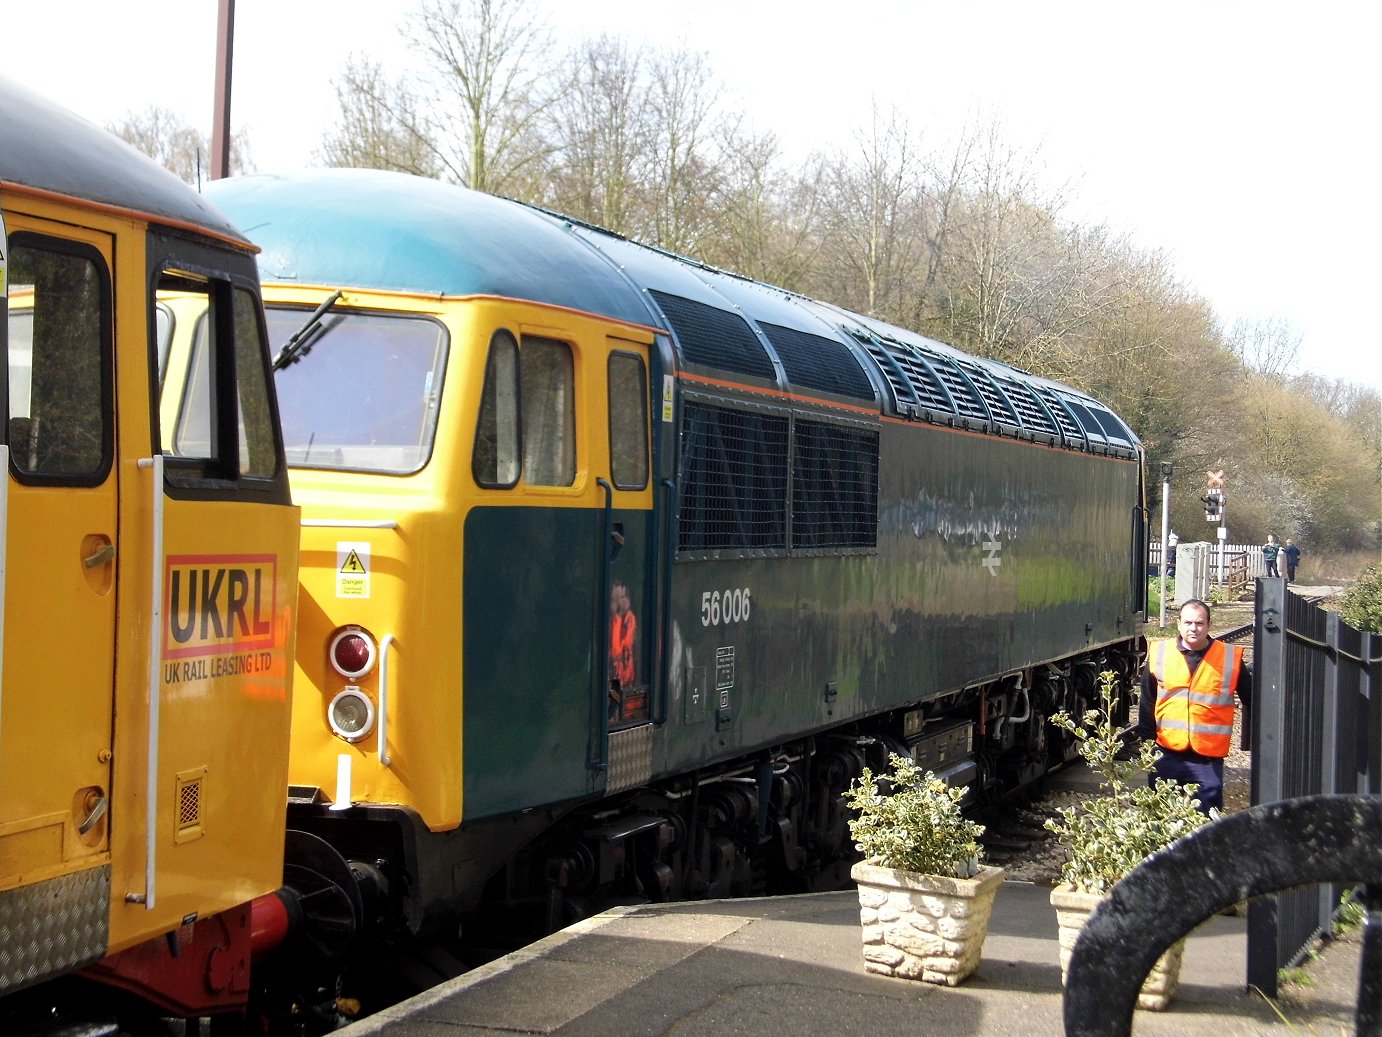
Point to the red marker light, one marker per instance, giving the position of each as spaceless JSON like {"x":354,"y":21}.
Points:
{"x":352,"y":652}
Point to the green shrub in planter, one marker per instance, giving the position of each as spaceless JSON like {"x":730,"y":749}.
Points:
{"x":915,"y":823}
{"x":1107,"y":836}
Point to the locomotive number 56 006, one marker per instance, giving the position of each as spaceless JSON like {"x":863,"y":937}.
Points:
{"x":727,"y":606}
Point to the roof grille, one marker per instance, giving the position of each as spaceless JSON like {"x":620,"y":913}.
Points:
{"x":715,"y":338}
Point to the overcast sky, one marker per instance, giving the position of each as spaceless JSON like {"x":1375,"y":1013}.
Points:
{"x":1237,"y":135}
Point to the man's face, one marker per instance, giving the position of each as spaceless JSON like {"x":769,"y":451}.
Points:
{"x":1194,"y":627}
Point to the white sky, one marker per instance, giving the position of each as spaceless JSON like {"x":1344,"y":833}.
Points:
{"x":1237,"y":135}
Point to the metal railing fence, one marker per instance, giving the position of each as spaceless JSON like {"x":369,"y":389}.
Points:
{"x":1316,"y":728}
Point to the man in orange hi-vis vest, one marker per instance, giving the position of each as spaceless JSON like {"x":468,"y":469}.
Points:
{"x":1187,"y":704}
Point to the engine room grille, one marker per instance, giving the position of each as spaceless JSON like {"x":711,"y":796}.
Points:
{"x":967,"y":401}
{"x":998,"y":406}
{"x":925,"y":383}
{"x":817,"y":362}
{"x":834,"y":486}
{"x":734,"y":479}
{"x":1033,"y":414}
{"x":1063,"y":419}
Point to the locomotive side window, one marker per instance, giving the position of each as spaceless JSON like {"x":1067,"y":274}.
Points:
{"x":628,"y":421}
{"x":546,"y":378}
{"x":527,"y":420}
{"x":59,"y":362}
{"x":257,"y":454}
{"x":224,"y":418}
{"x":496,"y":458}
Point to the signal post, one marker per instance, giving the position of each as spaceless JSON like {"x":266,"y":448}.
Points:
{"x":1216,"y":510}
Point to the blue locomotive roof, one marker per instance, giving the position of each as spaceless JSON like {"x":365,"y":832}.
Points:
{"x":383,"y":230}
{"x":46,"y":147}
{"x":367,"y":228}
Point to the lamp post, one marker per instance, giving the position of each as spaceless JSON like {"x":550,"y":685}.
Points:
{"x":220,"y":130}
{"x":1166,"y":469}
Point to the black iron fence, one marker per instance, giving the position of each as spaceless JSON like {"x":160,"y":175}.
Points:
{"x":1316,"y":729}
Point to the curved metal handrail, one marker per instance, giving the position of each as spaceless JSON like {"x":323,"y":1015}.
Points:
{"x":1265,"y":849}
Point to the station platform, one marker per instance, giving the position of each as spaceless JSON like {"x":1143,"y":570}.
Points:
{"x":794,"y":965}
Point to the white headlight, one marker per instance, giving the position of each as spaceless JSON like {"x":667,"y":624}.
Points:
{"x":351,"y":714}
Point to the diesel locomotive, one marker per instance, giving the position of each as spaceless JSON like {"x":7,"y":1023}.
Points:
{"x":616,"y":569}
{"x":147,"y":591}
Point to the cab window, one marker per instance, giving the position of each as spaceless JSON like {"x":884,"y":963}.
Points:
{"x":223,"y":417}
{"x":365,"y":391}
{"x":628,"y":421}
{"x":527,"y":422}
{"x":59,"y":416}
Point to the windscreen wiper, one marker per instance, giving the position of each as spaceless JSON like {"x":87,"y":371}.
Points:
{"x":302,"y":340}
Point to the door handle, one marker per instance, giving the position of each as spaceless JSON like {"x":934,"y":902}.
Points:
{"x":99,"y":557}
{"x":99,"y":805}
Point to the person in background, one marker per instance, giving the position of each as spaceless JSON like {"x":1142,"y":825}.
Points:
{"x":1292,"y":553}
{"x":1188,"y":685}
{"x":1269,"y":552}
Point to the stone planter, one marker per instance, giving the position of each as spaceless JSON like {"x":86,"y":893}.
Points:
{"x":1073,"y":908}
{"x":926,"y":927}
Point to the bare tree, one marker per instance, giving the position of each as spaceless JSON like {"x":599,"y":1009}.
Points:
{"x":1009,"y":260}
{"x":682,"y":171}
{"x":872,"y":197}
{"x":488,"y":90}
{"x":1269,"y":347}
{"x":178,"y":145}
{"x":767,"y":220}
{"x":379,"y":126}
{"x":601,"y":128}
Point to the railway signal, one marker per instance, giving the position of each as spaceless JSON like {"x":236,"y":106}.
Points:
{"x":1214,"y":499}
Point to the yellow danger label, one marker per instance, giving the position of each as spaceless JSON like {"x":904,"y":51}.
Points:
{"x":352,"y":570}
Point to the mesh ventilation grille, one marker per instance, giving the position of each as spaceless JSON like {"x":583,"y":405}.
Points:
{"x":714,"y":337}
{"x":189,"y":805}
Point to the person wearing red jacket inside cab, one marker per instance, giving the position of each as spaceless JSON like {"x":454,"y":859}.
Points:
{"x":1188,"y":685}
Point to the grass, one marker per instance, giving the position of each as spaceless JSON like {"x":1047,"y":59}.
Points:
{"x":1293,"y":1028}
{"x":1351,"y":914}
{"x":1298,"y":976}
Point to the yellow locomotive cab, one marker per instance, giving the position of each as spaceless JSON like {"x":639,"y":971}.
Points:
{"x":150,"y":568}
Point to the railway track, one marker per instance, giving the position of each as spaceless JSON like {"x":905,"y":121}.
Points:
{"x":1015,"y":838}
{"x":1241,"y":634}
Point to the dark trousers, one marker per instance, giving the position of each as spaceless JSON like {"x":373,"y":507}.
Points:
{"x":1192,"y":769}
